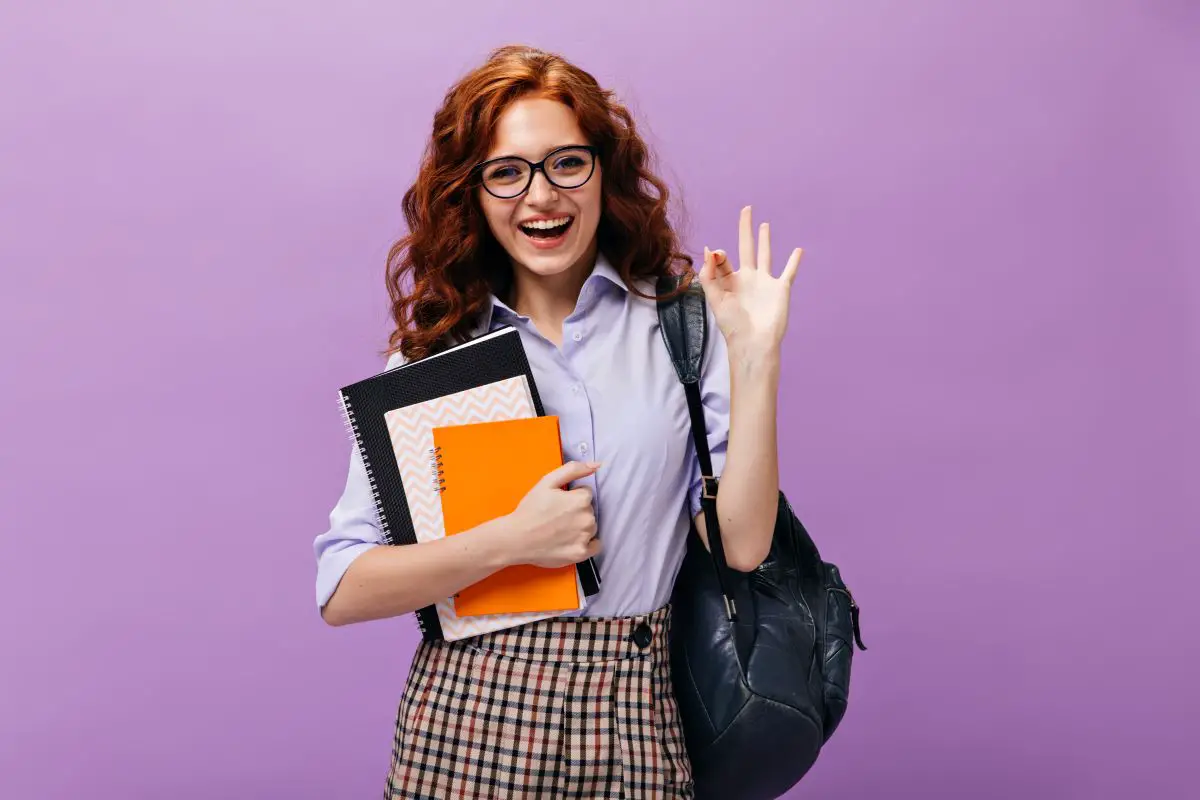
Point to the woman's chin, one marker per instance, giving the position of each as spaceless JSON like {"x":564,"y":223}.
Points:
{"x":549,"y":262}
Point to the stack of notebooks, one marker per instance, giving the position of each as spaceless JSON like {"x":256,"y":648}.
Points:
{"x":451,"y":441}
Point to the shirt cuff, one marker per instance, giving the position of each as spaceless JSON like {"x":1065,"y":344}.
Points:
{"x":333,"y":565}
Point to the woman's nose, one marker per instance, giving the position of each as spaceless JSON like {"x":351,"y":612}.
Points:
{"x":541,"y":190}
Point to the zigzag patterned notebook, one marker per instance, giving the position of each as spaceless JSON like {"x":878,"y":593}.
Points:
{"x":411,"y":430}
{"x":484,"y":360}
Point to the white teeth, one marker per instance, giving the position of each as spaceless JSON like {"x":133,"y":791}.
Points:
{"x":546,"y":224}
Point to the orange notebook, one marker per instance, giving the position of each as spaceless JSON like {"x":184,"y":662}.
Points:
{"x":486,"y":469}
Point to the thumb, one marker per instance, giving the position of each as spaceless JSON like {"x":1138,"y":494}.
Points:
{"x":706,"y":272}
{"x":709,"y":275}
{"x":570,"y":471}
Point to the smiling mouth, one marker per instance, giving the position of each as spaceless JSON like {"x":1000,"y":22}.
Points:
{"x":547,"y":229}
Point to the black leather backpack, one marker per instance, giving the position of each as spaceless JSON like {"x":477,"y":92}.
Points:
{"x":760,"y":661}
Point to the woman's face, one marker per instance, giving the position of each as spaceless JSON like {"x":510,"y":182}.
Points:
{"x":532,"y":128}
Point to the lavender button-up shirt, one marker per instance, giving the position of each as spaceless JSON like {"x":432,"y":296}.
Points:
{"x":618,"y":401}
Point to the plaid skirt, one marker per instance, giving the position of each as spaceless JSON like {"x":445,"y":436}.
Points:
{"x":571,"y":707}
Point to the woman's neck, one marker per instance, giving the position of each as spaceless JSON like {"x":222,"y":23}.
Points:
{"x":549,"y":299}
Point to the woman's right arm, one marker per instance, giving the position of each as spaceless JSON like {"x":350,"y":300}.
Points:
{"x":360,"y":579}
{"x":389,"y":581}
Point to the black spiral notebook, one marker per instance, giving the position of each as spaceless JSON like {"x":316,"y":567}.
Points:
{"x":484,"y":360}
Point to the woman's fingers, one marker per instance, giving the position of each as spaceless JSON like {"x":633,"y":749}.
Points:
{"x":709,"y":275}
{"x":793,"y":266}
{"x":746,"y":240}
{"x":751,"y":256}
{"x":721,"y":266}
{"x":764,"y":248}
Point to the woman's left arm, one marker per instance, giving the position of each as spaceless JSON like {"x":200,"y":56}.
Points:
{"x":750,"y":307}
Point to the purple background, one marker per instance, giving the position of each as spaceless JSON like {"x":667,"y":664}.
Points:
{"x":989,"y":398}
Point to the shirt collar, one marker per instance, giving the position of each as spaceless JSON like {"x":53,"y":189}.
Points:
{"x":602,"y":270}
{"x":605,"y":270}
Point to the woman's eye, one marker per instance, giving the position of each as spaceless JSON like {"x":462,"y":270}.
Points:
{"x":502,"y":173}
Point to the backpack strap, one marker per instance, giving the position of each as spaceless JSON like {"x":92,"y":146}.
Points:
{"x":683,"y":321}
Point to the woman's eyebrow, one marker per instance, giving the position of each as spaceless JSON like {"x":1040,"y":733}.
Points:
{"x":539,"y":158}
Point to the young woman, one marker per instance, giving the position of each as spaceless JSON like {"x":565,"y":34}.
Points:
{"x":535,"y":208}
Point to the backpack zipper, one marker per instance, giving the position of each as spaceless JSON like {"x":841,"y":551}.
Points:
{"x":854,"y":611}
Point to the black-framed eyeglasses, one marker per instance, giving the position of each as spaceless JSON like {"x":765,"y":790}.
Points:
{"x":511,"y":176}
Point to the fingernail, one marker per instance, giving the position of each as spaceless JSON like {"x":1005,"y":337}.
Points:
{"x":707,"y":254}
{"x":594,"y":464}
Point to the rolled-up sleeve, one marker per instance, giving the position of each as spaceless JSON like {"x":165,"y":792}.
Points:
{"x":353,"y":530}
{"x":353,"y":525}
{"x":714,"y":396}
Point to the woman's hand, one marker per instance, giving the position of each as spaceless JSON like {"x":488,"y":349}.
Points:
{"x":750,"y":305}
{"x":552,"y":527}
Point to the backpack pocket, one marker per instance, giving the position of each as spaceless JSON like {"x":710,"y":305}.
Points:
{"x":837,"y":650}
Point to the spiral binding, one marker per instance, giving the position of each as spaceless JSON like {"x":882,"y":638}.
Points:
{"x":355,"y":434}
{"x":437,"y":469}
{"x":352,"y":429}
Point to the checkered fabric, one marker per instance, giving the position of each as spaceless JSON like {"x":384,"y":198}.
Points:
{"x":561,"y":708}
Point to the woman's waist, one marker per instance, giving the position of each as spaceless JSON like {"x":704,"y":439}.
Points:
{"x":581,"y":638}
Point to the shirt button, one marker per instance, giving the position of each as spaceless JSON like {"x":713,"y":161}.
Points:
{"x":583,"y":447}
{"x":575,"y":388}
{"x":577,"y":336}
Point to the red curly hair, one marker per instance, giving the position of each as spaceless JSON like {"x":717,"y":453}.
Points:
{"x":440,"y":276}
